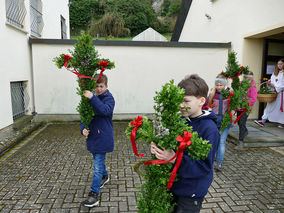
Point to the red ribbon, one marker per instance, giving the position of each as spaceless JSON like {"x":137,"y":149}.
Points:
{"x":67,"y":58}
{"x":235,"y":76}
{"x":238,"y":118}
{"x":184,"y":142}
{"x":209,"y":106}
{"x":103,"y":64}
{"x":138,"y":122}
{"x":281,"y":107}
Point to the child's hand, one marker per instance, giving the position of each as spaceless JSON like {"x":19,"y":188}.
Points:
{"x":162,"y":154}
{"x":88,"y":94}
{"x":86,"y":132}
{"x":269,"y":82}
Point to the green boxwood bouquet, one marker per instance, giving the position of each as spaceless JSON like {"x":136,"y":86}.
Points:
{"x":168,"y":130}
{"x":84,"y":62}
{"x":237,"y":98}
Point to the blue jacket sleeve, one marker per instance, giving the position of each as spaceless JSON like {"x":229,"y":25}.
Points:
{"x":190,"y":168}
{"x":104,"y":108}
{"x":82,"y":126}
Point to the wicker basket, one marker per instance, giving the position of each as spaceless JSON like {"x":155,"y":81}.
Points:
{"x":267,"y":98}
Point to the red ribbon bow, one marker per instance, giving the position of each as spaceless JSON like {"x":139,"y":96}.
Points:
{"x":138,"y":122}
{"x":184,"y":142}
{"x":103,"y":64}
{"x":66,"y":58}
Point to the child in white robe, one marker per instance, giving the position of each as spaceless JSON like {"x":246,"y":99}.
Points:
{"x":274,"y":111}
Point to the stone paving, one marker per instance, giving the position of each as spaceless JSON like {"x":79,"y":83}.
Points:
{"x":52,"y":172}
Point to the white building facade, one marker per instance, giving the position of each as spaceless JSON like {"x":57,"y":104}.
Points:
{"x":255,"y":29}
{"x":203,"y":36}
{"x":20,"y":20}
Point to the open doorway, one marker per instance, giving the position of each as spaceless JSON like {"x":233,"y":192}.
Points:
{"x":273,"y":50}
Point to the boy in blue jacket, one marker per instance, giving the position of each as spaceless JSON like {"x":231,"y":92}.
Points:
{"x":194,"y":176}
{"x":99,"y":136}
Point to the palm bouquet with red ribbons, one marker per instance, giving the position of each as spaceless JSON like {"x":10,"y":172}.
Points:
{"x":237,"y":97}
{"x":84,"y":63}
{"x":170,"y":131}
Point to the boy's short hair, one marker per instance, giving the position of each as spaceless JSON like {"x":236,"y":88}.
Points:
{"x":194,"y":86}
{"x":103,"y":78}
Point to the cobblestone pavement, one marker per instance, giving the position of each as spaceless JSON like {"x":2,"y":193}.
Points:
{"x":53,"y":173}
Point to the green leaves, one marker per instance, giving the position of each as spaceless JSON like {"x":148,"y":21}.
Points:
{"x":81,"y":12}
{"x":166,"y":127}
{"x":85,"y":61}
{"x":199,"y":149}
{"x":154,"y":196}
{"x":144,"y":132}
{"x":137,"y":15}
{"x":266,"y":89}
{"x":239,"y":99}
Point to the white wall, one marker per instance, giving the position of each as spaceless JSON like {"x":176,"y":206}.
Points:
{"x":230,"y":20}
{"x":15,"y":53}
{"x":52,"y":10}
{"x":15,"y":63}
{"x":139,"y":72}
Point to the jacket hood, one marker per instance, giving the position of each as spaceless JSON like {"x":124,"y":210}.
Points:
{"x":206,"y":115}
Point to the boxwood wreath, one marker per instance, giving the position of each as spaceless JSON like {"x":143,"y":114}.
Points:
{"x":84,"y":62}
{"x":237,"y":98}
{"x":168,"y":130}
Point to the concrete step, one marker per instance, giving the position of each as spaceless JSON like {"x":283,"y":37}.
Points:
{"x":268,"y":136}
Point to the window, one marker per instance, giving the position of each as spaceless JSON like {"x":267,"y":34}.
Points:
{"x":16,"y":12}
{"x":36,"y":17}
{"x":63,"y":28}
{"x":20,"y":98}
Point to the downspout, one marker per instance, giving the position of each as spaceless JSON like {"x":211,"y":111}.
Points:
{"x":32,"y":79}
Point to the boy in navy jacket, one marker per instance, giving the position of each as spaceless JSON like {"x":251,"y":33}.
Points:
{"x":194,"y":176}
{"x":99,"y":137}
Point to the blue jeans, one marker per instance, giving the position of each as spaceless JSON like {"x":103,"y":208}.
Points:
{"x":99,"y":171}
{"x":222,"y":144}
{"x":187,"y":205}
{"x":219,"y":120}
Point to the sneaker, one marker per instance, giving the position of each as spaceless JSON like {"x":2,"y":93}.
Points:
{"x":246,"y":133}
{"x":260,"y":123}
{"x":240,"y":146}
{"x":104,"y":180}
{"x":218,"y":166}
{"x":281,"y":126}
{"x":92,"y":200}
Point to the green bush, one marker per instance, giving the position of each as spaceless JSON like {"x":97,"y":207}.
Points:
{"x":111,"y":24}
{"x":81,"y":12}
{"x":137,"y":15}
